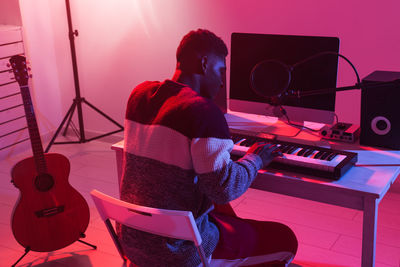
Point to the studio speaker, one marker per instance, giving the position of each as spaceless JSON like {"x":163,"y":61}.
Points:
{"x":380,"y":110}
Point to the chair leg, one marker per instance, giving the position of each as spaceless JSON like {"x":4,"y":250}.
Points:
{"x":202,"y":256}
{"x":114,"y":237}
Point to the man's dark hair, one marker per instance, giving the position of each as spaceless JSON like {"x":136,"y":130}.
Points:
{"x":198,"y":42}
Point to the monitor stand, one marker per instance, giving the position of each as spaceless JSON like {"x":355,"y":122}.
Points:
{"x":260,"y":124}
{"x":270,"y":127}
{"x":281,"y":129}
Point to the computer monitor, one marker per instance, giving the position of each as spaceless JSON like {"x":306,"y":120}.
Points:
{"x":249,"y":49}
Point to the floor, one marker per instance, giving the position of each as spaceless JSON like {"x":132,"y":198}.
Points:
{"x":329,"y":236}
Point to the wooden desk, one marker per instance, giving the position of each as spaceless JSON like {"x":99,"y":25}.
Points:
{"x":361,"y":188}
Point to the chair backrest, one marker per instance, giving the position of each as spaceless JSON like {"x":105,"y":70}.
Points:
{"x":169,"y":223}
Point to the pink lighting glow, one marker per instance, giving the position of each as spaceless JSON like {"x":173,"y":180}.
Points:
{"x":122,"y":43}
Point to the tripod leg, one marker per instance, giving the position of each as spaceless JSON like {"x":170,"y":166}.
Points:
{"x":27,"y":249}
{"x":68,"y":122}
{"x":71,"y":109}
{"x":86,"y":243}
{"x":73,"y":127}
{"x":102,"y":113}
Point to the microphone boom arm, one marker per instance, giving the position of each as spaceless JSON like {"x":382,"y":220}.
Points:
{"x":361,"y":85}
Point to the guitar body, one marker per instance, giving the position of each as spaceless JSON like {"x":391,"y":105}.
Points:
{"x":49,"y":214}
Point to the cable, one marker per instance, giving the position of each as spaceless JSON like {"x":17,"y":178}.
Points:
{"x":336,"y":117}
{"x":294,"y":124}
{"x":330,"y":53}
{"x":376,"y":165}
{"x":277,"y":101}
{"x":311,"y":58}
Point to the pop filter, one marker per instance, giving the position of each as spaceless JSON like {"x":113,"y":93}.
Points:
{"x":270,"y":79}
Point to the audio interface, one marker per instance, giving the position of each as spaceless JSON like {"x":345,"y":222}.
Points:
{"x":345,"y":132}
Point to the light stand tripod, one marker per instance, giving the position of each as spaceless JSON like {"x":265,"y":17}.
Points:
{"x":77,"y":102}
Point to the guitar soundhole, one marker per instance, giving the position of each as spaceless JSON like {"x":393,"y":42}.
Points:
{"x":44,"y":182}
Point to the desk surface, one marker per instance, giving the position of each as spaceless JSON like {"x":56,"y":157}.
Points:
{"x":366,"y":179}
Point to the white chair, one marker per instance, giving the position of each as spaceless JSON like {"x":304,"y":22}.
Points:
{"x":169,"y":223}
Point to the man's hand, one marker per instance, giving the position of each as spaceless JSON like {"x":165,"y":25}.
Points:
{"x":266,"y":151}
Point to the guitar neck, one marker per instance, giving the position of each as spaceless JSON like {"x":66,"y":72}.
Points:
{"x":34,"y":135}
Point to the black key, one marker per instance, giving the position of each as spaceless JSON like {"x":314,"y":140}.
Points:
{"x":331,"y":156}
{"x":328,"y":154}
{"x":236,"y":139}
{"x":318,"y":155}
{"x":291,"y":150}
{"x":253,"y":140}
{"x":308,"y":152}
{"x":301,"y":152}
{"x":247,"y":143}
{"x":283,"y":147}
{"x":286,"y":148}
{"x":259,"y":139}
{"x":325,"y":155}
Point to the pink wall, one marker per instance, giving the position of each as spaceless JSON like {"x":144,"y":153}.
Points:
{"x":123,"y":42}
{"x":42,"y":54}
{"x":9,"y":12}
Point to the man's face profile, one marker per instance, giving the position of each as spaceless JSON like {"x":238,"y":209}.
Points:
{"x":214,"y":76}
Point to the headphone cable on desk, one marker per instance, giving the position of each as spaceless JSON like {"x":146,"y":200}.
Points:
{"x":294,"y":124}
{"x":376,"y":165}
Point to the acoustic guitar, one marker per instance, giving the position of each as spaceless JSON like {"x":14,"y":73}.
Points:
{"x":49,"y":214}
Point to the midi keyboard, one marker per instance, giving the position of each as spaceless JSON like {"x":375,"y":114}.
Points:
{"x":299,"y":158}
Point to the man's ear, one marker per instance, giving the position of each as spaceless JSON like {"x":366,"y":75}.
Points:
{"x":204,"y":64}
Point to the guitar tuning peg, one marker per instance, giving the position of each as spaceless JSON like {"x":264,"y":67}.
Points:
{"x":8,"y":65}
{"x":30,"y":75}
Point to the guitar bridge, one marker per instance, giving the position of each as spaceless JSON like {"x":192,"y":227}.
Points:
{"x":49,"y":212}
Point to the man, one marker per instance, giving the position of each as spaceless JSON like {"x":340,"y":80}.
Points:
{"x":176,"y":156}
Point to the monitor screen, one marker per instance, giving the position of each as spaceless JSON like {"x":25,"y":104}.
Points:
{"x":247,"y":50}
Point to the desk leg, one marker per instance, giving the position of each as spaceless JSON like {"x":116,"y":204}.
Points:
{"x":369,"y":232}
{"x":118,"y":156}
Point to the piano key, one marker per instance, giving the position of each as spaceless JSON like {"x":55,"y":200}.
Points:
{"x":311,"y":163}
{"x":285,"y":148}
{"x":297,"y":160}
{"x":324,"y":155}
{"x":331,"y":156}
{"x":301,"y":152}
{"x":237,"y":142}
{"x":308,"y":152}
{"x":318,"y":155}
{"x":246,"y":143}
{"x":293,"y":150}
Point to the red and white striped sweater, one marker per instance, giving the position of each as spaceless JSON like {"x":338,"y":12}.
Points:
{"x":177,"y":156}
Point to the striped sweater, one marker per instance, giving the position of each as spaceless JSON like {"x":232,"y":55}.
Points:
{"x":176,"y":156}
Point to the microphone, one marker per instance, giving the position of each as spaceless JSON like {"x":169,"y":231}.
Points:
{"x":270,"y":79}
